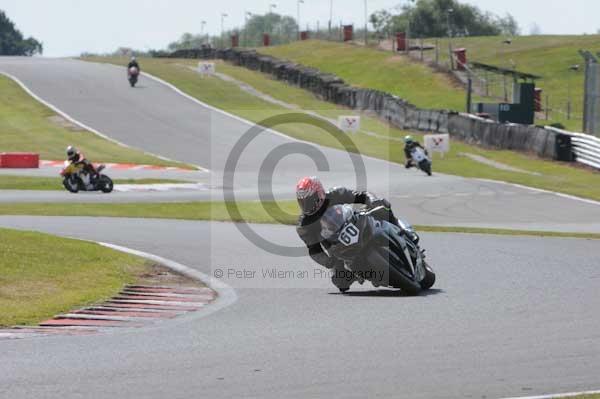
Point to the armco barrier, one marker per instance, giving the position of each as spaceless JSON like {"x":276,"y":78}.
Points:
{"x":19,"y":160}
{"x":586,"y":148}
{"x":399,"y":112}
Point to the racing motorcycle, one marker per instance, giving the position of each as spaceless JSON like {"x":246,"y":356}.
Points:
{"x":421,"y":160}
{"x":133,"y":73}
{"x":76,"y":179}
{"x":376,"y":250}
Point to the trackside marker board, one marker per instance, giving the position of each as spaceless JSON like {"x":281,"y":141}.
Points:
{"x":437,"y":143}
{"x":349,"y":123}
{"x":206,"y":68}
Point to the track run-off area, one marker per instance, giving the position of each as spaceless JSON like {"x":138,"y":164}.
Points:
{"x":510,"y":316}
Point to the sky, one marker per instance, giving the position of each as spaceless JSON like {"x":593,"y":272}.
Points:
{"x":70,"y":27}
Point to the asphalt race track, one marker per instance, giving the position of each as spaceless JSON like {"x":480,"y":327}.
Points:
{"x":510,"y":316}
{"x":156,"y":119}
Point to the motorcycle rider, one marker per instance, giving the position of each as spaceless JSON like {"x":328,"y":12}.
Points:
{"x":314,"y":201}
{"x":76,"y":157}
{"x":409,"y":145}
{"x":133,"y":64}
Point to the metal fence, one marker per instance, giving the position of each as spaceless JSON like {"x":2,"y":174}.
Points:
{"x":586,"y":148}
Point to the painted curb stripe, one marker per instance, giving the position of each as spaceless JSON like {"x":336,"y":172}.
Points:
{"x":558,"y":395}
{"x":83,"y":322}
{"x":125,"y":313}
{"x":114,"y":304}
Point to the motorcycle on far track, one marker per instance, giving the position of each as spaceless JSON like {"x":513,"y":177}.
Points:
{"x":376,"y":250}
{"x":132,"y":74}
{"x":420,"y":159}
{"x":75,"y":179}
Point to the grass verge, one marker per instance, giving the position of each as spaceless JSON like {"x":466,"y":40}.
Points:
{"x":29,"y":126}
{"x":542,"y":174}
{"x":52,"y":183}
{"x":43,"y":275}
{"x":375,"y":69}
{"x":281,"y":212}
{"x":547,"y":56}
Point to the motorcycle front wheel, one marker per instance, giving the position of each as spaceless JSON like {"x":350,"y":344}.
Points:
{"x":386,"y":264}
{"x":71,"y":184}
{"x":429,"y":279}
{"x":426,"y":167}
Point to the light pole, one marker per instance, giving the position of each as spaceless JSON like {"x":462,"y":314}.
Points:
{"x":202,"y":26}
{"x":247,"y":15}
{"x":298,"y":20}
{"x":223,"y":16}
{"x":408,"y":15}
{"x":366,"y":24}
{"x":574,"y":69}
{"x":330,"y":16}
{"x":450,"y":11}
{"x":269,"y":27}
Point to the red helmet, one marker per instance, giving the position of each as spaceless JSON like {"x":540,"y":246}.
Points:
{"x":310,"y":194}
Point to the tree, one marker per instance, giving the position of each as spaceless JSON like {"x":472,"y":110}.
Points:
{"x":438,"y":18}
{"x":509,"y":25}
{"x":282,"y":29}
{"x":12,"y":41}
{"x":381,"y":21}
{"x":188,"y":41}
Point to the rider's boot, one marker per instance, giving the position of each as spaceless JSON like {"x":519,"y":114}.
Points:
{"x":341,"y":277}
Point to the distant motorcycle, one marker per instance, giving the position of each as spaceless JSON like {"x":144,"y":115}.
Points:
{"x":376,"y":250}
{"x":421,"y":160}
{"x":133,"y":73}
{"x":75,"y":179}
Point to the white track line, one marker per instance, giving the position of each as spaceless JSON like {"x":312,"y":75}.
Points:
{"x":83,"y":125}
{"x":542,"y":191}
{"x":127,"y":188}
{"x":559,"y":395}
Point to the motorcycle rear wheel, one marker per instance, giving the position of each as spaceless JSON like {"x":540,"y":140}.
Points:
{"x":72,"y":188}
{"x":106,"y":184}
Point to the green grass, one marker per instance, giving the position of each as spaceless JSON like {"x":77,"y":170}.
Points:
{"x":228,"y":96}
{"x":253,"y":212}
{"x":281,"y":212}
{"x":28,"y":126}
{"x":370,"y":68}
{"x":42,"y":275}
{"x":547,"y":56}
{"x":53,"y":183}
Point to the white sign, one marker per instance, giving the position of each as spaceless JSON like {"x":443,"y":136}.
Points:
{"x":349,"y":123}
{"x":437,"y":143}
{"x":206,"y":68}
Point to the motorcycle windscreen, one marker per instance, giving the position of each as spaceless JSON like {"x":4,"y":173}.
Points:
{"x":333,"y":220}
